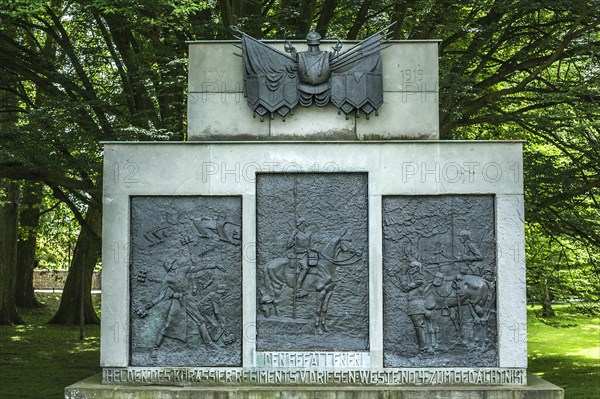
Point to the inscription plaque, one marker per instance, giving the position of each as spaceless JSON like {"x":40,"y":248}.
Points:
{"x":312,"y":267}
{"x":185,"y":281}
{"x":439,"y":281}
{"x":282,"y":376}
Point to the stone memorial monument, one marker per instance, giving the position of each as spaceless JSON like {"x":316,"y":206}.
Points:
{"x":313,"y":238}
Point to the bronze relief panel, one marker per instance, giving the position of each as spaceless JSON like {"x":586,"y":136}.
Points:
{"x":185,"y":281}
{"x":439,"y":280}
{"x":312,"y":261}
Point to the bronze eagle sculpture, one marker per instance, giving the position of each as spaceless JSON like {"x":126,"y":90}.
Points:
{"x":275,"y":82}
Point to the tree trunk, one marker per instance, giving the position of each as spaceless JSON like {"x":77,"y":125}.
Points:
{"x":85,"y":257}
{"x":9,"y":217}
{"x":359,"y":21}
{"x":547,"y":310}
{"x":327,"y":13}
{"x":305,"y":19}
{"x":29,"y":215}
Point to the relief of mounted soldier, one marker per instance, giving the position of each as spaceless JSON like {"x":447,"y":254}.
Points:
{"x":312,"y":272}
{"x":302,"y":254}
{"x":305,"y":269}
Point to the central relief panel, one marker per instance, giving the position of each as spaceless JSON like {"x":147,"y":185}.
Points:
{"x":312,"y":262}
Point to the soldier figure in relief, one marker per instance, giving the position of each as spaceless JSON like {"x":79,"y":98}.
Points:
{"x":469,"y":254}
{"x":412,"y":281}
{"x":211,"y":310}
{"x":176,"y":289}
{"x":179,"y":288}
{"x":300,"y":243}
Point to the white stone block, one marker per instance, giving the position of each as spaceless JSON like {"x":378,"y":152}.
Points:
{"x":397,"y":168}
{"x":450,"y":168}
{"x":411,"y":66}
{"x":375,"y":281}
{"x":114,"y":329}
{"x":249,"y":281}
{"x":214,"y":68}
{"x":394,"y":168}
{"x":405,"y":115}
{"x":511,"y":286}
{"x":407,"y":66}
{"x":314,"y":123}
{"x":223,"y":116}
{"x":217,"y":109}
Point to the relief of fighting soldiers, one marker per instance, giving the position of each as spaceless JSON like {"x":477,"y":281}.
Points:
{"x":439,"y":281}
{"x":185,"y":287}
{"x":312,"y":270}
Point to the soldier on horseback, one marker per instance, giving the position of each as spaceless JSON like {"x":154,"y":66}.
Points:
{"x":301,"y":253}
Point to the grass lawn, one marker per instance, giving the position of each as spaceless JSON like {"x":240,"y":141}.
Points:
{"x":567,"y":352}
{"x":39,"y":360}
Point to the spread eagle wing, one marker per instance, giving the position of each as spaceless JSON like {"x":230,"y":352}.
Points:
{"x":270,"y":78}
{"x":357,"y":82}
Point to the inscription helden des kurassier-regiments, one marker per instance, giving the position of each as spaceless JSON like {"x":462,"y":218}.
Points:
{"x":275,"y":82}
{"x":312,"y":268}
{"x":185,"y":281}
{"x":439,"y":281}
{"x":227,"y":376}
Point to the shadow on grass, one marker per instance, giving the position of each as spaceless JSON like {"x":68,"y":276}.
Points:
{"x":38,"y":360}
{"x":565,"y":350}
{"x":34,"y":367}
{"x":578,"y":375}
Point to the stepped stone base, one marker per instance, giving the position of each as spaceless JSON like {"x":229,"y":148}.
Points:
{"x":92,"y":388}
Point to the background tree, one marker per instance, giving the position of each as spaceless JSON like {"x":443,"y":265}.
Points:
{"x":87,"y":71}
{"x":9,"y":215}
{"x":82,"y":75}
{"x":30,"y":210}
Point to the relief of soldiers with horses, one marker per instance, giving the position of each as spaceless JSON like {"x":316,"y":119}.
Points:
{"x":439,"y":281}
{"x":312,"y":272}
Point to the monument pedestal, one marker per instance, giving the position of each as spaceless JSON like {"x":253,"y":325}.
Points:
{"x":360,"y":268}
{"x":536,"y":388}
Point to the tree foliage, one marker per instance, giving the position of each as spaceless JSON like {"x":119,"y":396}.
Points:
{"x":83,"y":72}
